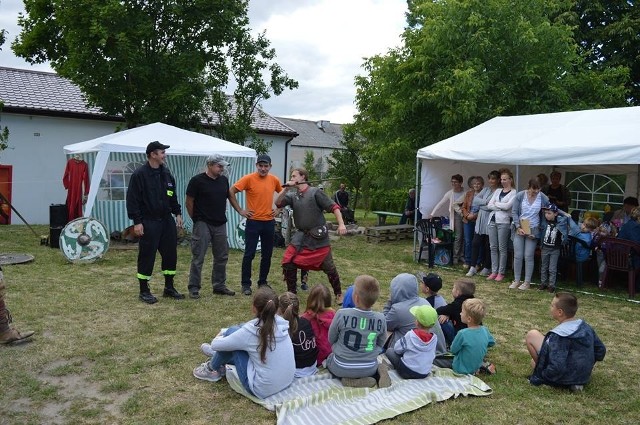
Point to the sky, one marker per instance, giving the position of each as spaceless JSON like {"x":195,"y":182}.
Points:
{"x":320,"y":43}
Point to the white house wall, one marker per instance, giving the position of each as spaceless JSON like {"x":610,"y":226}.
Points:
{"x":35,"y":152}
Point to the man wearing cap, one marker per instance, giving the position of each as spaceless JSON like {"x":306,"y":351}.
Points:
{"x":206,"y":203}
{"x":260,"y":212}
{"x":151,"y":201}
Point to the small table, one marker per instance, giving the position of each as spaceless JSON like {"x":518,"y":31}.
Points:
{"x":382,"y":216}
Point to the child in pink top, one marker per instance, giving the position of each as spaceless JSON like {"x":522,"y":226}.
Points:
{"x":320,"y":314}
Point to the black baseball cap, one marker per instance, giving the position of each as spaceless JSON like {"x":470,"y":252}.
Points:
{"x":433,"y":282}
{"x":263,"y":158}
{"x":155,"y":145}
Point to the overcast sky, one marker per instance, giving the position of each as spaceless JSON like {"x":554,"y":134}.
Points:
{"x":319,"y":43}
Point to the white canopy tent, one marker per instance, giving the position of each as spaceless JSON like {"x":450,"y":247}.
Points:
{"x":603,"y":141}
{"x":186,"y":157}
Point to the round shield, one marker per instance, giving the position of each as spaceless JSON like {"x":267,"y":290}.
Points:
{"x":241,"y":235}
{"x":84,"y":240}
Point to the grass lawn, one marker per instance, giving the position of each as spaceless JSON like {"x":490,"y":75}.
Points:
{"x":101,"y":356}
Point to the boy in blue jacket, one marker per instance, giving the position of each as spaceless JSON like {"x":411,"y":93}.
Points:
{"x":565,"y":356}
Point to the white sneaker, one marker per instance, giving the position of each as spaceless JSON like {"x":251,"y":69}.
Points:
{"x":524,"y":286}
{"x":203,"y":372}
{"x":514,"y":284}
{"x":471,"y":272}
{"x":485,"y":272}
{"x":206,"y":349}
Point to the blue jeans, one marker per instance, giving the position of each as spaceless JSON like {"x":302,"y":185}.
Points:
{"x":449,"y":331}
{"x":238,"y":358}
{"x":264,"y":231}
{"x":469,"y":231}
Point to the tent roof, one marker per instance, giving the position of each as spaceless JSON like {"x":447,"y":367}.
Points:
{"x":598,"y":136}
{"x":182,"y":142}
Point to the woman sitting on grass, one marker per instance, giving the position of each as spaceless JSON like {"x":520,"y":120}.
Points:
{"x":261,"y":350}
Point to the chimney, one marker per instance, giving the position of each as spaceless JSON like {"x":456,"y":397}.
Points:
{"x":323,"y":124}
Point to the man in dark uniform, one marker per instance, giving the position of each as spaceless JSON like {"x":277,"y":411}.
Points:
{"x":9,"y":334}
{"x":151,"y":199}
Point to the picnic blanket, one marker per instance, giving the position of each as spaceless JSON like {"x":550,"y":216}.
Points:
{"x":322,"y":399}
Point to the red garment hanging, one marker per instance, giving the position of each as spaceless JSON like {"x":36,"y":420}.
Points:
{"x":76,"y":175}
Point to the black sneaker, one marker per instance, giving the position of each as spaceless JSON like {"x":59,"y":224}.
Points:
{"x":172,"y":293}
{"x":194,"y":294}
{"x":147,"y":297}
{"x":542,"y":288}
{"x":263,"y":285}
{"x":246,"y":291}
{"x":304,"y":286}
{"x":224,"y":291}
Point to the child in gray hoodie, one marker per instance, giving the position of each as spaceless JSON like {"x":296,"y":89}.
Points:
{"x":404,"y":296}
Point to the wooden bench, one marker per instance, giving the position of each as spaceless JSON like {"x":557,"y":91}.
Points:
{"x":382,"y":216}
{"x":389,"y":233}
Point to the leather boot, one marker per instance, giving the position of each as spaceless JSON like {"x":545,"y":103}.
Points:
{"x":290,"y":275}
{"x":145,"y":293}
{"x":8,"y":334}
{"x":169,"y":290}
{"x":334,"y":280}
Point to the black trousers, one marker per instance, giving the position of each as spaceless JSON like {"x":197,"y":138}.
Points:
{"x":161,"y":236}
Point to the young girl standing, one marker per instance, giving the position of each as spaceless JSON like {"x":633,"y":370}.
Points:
{"x":320,"y":314}
{"x":305,"y":348}
{"x":261,"y":350}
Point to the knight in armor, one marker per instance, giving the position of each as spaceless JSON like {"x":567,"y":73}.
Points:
{"x":309,"y":248}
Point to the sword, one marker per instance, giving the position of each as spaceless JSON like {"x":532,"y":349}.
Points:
{"x":311,"y":182}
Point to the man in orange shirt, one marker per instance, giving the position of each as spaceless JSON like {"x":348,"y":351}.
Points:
{"x":260,"y":187}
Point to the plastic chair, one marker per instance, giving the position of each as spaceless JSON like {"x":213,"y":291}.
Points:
{"x":621,"y":255}
{"x":433,"y":236}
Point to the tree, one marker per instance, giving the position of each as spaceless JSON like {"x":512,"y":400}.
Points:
{"x":350,"y":164}
{"x":4,"y":131}
{"x":309,"y":165}
{"x":464,"y":62}
{"x":146,"y":60}
{"x":608,"y":35}
{"x":250,"y":59}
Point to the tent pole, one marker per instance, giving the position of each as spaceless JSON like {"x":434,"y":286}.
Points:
{"x":415,"y":212}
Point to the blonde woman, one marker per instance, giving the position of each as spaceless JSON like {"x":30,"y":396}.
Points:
{"x":499,"y":227}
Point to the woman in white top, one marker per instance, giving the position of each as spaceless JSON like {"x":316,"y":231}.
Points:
{"x":526,"y":220}
{"x":499,"y":227}
{"x":453,"y":199}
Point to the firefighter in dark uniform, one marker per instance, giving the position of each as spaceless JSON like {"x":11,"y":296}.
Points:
{"x":151,"y":199}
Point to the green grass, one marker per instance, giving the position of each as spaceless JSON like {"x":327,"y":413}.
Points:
{"x":101,"y":356}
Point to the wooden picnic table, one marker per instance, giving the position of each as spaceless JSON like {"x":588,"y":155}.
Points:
{"x":382,"y":216}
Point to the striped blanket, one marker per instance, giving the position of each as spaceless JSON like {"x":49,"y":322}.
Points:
{"x":321,"y":399}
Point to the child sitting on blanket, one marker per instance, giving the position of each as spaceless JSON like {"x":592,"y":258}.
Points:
{"x":320,"y":314}
{"x":413,"y":354}
{"x":566,"y":355}
{"x":449,"y":315}
{"x":357,"y":337}
{"x":305,"y":349}
{"x":430,"y":285}
{"x":470,"y":344}
{"x":261,"y":350}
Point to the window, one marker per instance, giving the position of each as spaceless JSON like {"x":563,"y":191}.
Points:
{"x":114,"y":183}
{"x":592,"y":192}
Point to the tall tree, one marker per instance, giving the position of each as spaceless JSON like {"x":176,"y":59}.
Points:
{"x":464,"y":62}
{"x":350,"y":164}
{"x":249,"y":60}
{"x":310,"y":165}
{"x":145,"y":59}
{"x":608,"y":33}
{"x":4,"y":131}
